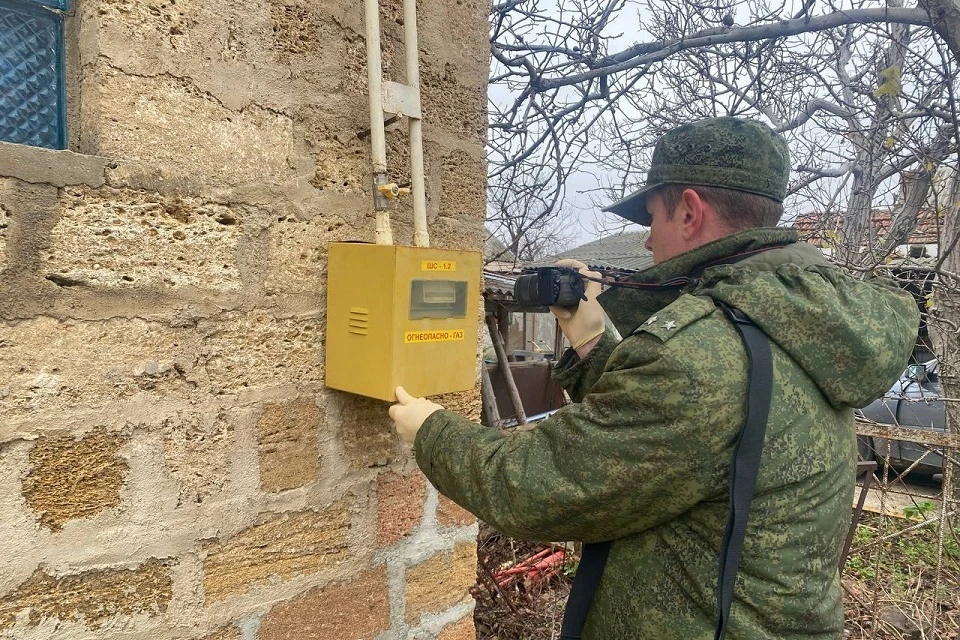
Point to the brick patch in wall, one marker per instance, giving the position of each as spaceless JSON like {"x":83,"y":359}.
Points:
{"x":441,"y":582}
{"x":450,"y":514}
{"x":466,"y":403}
{"x":287,"y":442}
{"x":91,"y":597}
{"x":463,"y":630}
{"x":357,"y":610}
{"x":399,"y":505}
{"x":285,"y":546}
{"x":74,"y":478}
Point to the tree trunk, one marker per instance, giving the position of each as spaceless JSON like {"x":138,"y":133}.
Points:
{"x":946,"y":17}
{"x":945,"y":320}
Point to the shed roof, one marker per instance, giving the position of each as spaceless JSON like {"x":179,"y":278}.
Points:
{"x":623,"y":251}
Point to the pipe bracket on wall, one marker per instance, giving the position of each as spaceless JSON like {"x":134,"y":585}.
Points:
{"x":402,"y":100}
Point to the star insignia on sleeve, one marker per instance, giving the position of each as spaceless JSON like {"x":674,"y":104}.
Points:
{"x":651,"y":320}
{"x":670,"y":325}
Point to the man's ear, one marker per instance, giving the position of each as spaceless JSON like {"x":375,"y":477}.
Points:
{"x":693,"y":214}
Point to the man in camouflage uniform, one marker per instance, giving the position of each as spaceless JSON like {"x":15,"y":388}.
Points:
{"x":642,"y":456}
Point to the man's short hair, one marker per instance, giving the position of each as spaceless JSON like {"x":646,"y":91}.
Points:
{"x":737,"y":210}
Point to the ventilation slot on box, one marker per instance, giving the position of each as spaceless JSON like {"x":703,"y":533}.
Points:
{"x":359,"y":321}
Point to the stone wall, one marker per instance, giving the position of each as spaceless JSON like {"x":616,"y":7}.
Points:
{"x":173,"y":466}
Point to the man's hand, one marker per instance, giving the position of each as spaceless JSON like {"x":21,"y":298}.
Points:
{"x":409,"y":414}
{"x":582,"y":325}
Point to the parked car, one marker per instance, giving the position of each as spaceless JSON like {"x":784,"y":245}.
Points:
{"x":915,"y":401}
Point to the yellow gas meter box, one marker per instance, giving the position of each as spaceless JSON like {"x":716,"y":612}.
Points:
{"x":401,"y":316}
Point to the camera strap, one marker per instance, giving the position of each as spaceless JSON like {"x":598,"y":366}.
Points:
{"x":743,"y":479}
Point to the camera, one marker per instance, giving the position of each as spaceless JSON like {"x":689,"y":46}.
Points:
{"x":549,"y":287}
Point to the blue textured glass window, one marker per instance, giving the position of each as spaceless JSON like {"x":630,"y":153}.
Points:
{"x":63,"y":5}
{"x":32,"y":78}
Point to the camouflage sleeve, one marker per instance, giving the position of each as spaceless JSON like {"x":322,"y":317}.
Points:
{"x":626,"y":458}
{"x":578,"y":375}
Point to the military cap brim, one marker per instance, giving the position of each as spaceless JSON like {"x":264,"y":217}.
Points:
{"x":634,"y":206}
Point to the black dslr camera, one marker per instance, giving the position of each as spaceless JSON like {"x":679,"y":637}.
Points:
{"x":550,"y":287}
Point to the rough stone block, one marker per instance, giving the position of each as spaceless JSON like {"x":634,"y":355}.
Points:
{"x":142,"y":118}
{"x":6,"y":217}
{"x":355,"y":62}
{"x":341,"y":161}
{"x":450,"y":105}
{"x":365,"y":429}
{"x":274,"y":54}
{"x":296,"y":30}
{"x":195,"y":449}
{"x":441,"y":582}
{"x":74,"y":478}
{"x":357,"y":609}
{"x":287,"y":442}
{"x":52,"y":364}
{"x":464,"y":181}
{"x":285,"y":546}
{"x":92,"y":597}
{"x":457,"y":31}
{"x":463,"y":630}
{"x":466,"y":403}
{"x":450,"y":514}
{"x":118,"y":238}
{"x":226,"y":633}
{"x":257,"y":349}
{"x":298,"y":253}
{"x":399,"y":505}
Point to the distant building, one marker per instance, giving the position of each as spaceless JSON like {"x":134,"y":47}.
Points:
{"x":825,"y":231}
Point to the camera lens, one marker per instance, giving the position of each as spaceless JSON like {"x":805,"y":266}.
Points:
{"x":526,"y":290}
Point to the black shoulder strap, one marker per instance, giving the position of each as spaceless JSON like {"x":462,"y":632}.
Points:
{"x":746,"y":459}
{"x":593,"y":558}
{"x":743,"y":479}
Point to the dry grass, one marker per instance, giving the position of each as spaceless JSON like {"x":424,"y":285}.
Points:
{"x":902,"y":582}
{"x":524,"y":609}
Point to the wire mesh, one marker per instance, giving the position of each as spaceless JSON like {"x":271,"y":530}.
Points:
{"x":902,"y":576}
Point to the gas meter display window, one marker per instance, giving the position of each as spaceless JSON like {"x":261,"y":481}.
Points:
{"x":438,"y":299}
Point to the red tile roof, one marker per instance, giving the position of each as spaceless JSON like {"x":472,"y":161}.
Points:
{"x":817,"y":228}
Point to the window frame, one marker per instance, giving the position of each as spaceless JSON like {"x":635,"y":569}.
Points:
{"x":60,"y":9}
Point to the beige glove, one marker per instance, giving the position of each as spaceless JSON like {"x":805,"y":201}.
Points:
{"x":409,"y":414}
{"x":583,"y":323}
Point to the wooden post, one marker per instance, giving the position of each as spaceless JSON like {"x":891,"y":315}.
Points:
{"x":504,"y":366}
{"x":490,"y":409}
{"x":557,"y":341}
{"x":503,"y":327}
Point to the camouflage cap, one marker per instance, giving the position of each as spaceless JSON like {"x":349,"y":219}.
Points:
{"x":726,"y":152}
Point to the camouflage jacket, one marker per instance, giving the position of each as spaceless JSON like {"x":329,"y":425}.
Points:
{"x":642,"y":455}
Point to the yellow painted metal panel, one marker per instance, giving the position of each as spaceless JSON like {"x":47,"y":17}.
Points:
{"x":401,"y":316}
